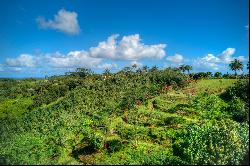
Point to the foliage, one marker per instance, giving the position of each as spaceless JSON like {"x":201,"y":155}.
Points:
{"x":218,"y":74}
{"x":216,"y":142}
{"x":236,"y":65}
{"x":135,"y":116}
{"x":240,"y":89}
{"x":238,"y":110}
{"x":210,"y":106}
{"x":184,"y":68}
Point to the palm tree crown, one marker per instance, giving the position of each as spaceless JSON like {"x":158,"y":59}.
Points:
{"x":184,"y":68}
{"x":236,"y":65}
{"x":188,"y":68}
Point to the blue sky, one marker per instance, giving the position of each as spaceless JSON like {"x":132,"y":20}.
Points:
{"x":43,"y":37}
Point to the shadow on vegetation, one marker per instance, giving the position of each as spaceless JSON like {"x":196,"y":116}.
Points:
{"x":87,"y":150}
{"x":245,"y":161}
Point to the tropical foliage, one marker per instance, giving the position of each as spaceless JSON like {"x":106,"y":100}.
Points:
{"x":236,"y":65}
{"x":134,"y":116}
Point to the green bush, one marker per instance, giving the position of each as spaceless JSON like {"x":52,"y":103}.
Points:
{"x":113,"y":144}
{"x":238,"y":110}
{"x":210,"y":106}
{"x":216,"y":142}
{"x":240,"y":89}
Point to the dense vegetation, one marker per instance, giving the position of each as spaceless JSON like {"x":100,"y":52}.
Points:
{"x":135,"y":116}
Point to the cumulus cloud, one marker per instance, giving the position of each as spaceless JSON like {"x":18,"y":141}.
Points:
{"x":177,"y":58}
{"x":203,"y":63}
{"x":211,"y":59}
{"x":24,"y":60}
{"x":72,"y":59}
{"x":226,"y":55}
{"x":128,"y":48}
{"x":214,"y":62}
{"x":64,"y":21}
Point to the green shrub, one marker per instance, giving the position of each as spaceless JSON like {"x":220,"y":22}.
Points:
{"x":216,"y":142}
{"x":113,"y":144}
{"x":210,"y":106}
{"x":238,"y":110}
{"x":240,"y":89}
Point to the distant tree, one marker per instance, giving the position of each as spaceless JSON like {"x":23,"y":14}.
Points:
{"x":236,"y":65}
{"x":188,"y":68}
{"x":127,"y":70}
{"x":145,"y":68}
{"x":134,"y":67}
{"x":81,"y":72}
{"x":154,"y":68}
{"x":139,"y":70}
{"x":217,"y":74}
{"x":106,"y":72}
{"x":183,"y":68}
{"x":173,"y":68}
{"x":209,"y":74}
{"x":248,"y":65}
{"x":226,"y":75}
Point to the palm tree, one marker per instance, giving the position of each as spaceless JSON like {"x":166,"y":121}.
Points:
{"x":236,"y":65}
{"x":183,"y":68}
{"x":188,"y":68}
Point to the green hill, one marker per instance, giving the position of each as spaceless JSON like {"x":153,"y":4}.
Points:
{"x":130,"y":117}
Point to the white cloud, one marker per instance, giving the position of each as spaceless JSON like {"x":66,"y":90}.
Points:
{"x":176,"y":58}
{"x":128,"y":48}
{"x":24,"y":60}
{"x":203,"y":63}
{"x":10,"y":69}
{"x":208,"y":62}
{"x":64,"y":21}
{"x":72,"y":59}
{"x":17,"y":69}
{"x":226,"y":55}
{"x":215,"y":62}
{"x":211,"y":59}
{"x":107,"y":66}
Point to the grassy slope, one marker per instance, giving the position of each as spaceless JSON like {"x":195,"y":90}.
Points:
{"x":211,"y":86}
{"x":134,"y":134}
{"x":162,"y":121}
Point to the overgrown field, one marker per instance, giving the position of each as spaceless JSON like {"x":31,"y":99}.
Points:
{"x":130,"y":117}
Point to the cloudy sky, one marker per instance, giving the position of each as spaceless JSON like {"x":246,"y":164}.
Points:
{"x":44,"y":37}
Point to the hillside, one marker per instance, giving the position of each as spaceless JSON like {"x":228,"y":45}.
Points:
{"x":130,"y":117}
